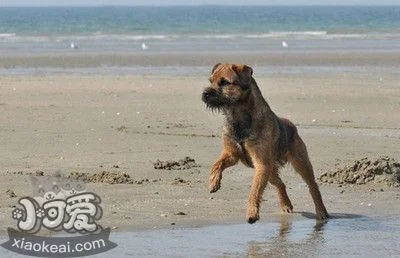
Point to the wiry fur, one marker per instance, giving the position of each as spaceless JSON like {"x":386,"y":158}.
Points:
{"x":253,"y":134}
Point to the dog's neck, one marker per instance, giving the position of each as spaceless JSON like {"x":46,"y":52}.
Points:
{"x":240,"y":118}
{"x":258,"y":98}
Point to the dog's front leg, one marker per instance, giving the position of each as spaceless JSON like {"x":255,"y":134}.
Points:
{"x":225,"y":160}
{"x":259,"y":183}
{"x":228,"y":158}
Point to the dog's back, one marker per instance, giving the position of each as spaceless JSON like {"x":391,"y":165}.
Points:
{"x":287,"y":129}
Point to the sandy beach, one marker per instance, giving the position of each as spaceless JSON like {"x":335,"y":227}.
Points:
{"x":121,"y":123}
{"x":276,"y":58}
{"x":111,"y":95}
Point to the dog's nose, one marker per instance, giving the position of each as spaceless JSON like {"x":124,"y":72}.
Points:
{"x":207,"y":94}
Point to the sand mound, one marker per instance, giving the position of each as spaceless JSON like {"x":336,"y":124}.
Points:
{"x":107,"y":177}
{"x":384,"y":170}
{"x":22,"y":173}
{"x":102,"y":177}
{"x":182,"y":164}
{"x":180,"y":181}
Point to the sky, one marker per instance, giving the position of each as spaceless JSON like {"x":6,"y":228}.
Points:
{"x":194,"y":2}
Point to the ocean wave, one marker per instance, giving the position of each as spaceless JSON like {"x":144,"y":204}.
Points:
{"x":271,"y":35}
{"x":299,"y":35}
{"x":215,"y":36}
{"x":281,"y":34}
{"x":116,"y":37}
{"x":7,"y":35}
{"x":93,"y":37}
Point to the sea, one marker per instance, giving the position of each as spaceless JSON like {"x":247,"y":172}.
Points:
{"x":196,"y":29}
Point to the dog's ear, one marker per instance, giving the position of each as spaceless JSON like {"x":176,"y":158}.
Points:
{"x":244,"y":72}
{"x":215,"y":67}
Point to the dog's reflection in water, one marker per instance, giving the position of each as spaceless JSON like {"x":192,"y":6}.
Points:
{"x":305,"y":243}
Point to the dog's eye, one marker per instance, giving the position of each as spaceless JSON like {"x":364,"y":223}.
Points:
{"x":223,"y":82}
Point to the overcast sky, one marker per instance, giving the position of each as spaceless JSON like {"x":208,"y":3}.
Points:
{"x":195,"y":2}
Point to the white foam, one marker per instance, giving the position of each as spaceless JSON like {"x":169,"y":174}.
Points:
{"x":216,"y":36}
{"x":94,"y":37}
{"x":299,"y":35}
{"x":279,"y":35}
{"x":7,"y":35}
{"x":272,"y":34}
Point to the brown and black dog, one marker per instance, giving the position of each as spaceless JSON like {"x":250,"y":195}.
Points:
{"x":253,"y":134}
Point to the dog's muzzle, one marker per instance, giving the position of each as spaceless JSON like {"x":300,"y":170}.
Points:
{"x":211,"y":98}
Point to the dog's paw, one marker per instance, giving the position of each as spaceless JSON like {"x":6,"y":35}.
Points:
{"x":252,"y":220}
{"x":322,"y":216}
{"x":287,"y":208}
{"x":252,"y":215}
{"x":215,"y":183}
{"x":214,"y":187}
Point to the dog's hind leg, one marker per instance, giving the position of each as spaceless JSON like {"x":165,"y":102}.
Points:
{"x":228,"y":158}
{"x":299,"y":158}
{"x":284,"y":200}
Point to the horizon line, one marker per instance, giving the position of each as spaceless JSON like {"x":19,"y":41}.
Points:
{"x":213,"y":5}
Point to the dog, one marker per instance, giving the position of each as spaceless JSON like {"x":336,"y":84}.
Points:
{"x":253,"y":134}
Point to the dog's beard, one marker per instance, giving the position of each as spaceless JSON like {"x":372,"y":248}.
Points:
{"x":214,"y":104}
{"x":215,"y":108}
{"x":217,"y":104}
{"x":220,"y":105}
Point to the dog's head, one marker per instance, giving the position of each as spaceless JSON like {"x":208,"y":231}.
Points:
{"x":230,"y":85}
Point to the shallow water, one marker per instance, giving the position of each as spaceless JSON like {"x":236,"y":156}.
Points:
{"x":344,"y":235}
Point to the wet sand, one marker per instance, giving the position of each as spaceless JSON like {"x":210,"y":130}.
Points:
{"x":345,"y":235}
{"x":72,"y":123}
{"x":276,"y":58}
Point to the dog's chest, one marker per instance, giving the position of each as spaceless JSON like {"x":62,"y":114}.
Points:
{"x":239,"y":126}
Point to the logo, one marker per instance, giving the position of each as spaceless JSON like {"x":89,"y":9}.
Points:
{"x":62,"y":205}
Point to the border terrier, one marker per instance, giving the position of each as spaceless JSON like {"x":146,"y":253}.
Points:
{"x":253,"y":134}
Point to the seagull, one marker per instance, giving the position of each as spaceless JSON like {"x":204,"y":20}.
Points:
{"x":284,"y":44}
{"x":73,"y":45}
{"x":144,"y":46}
